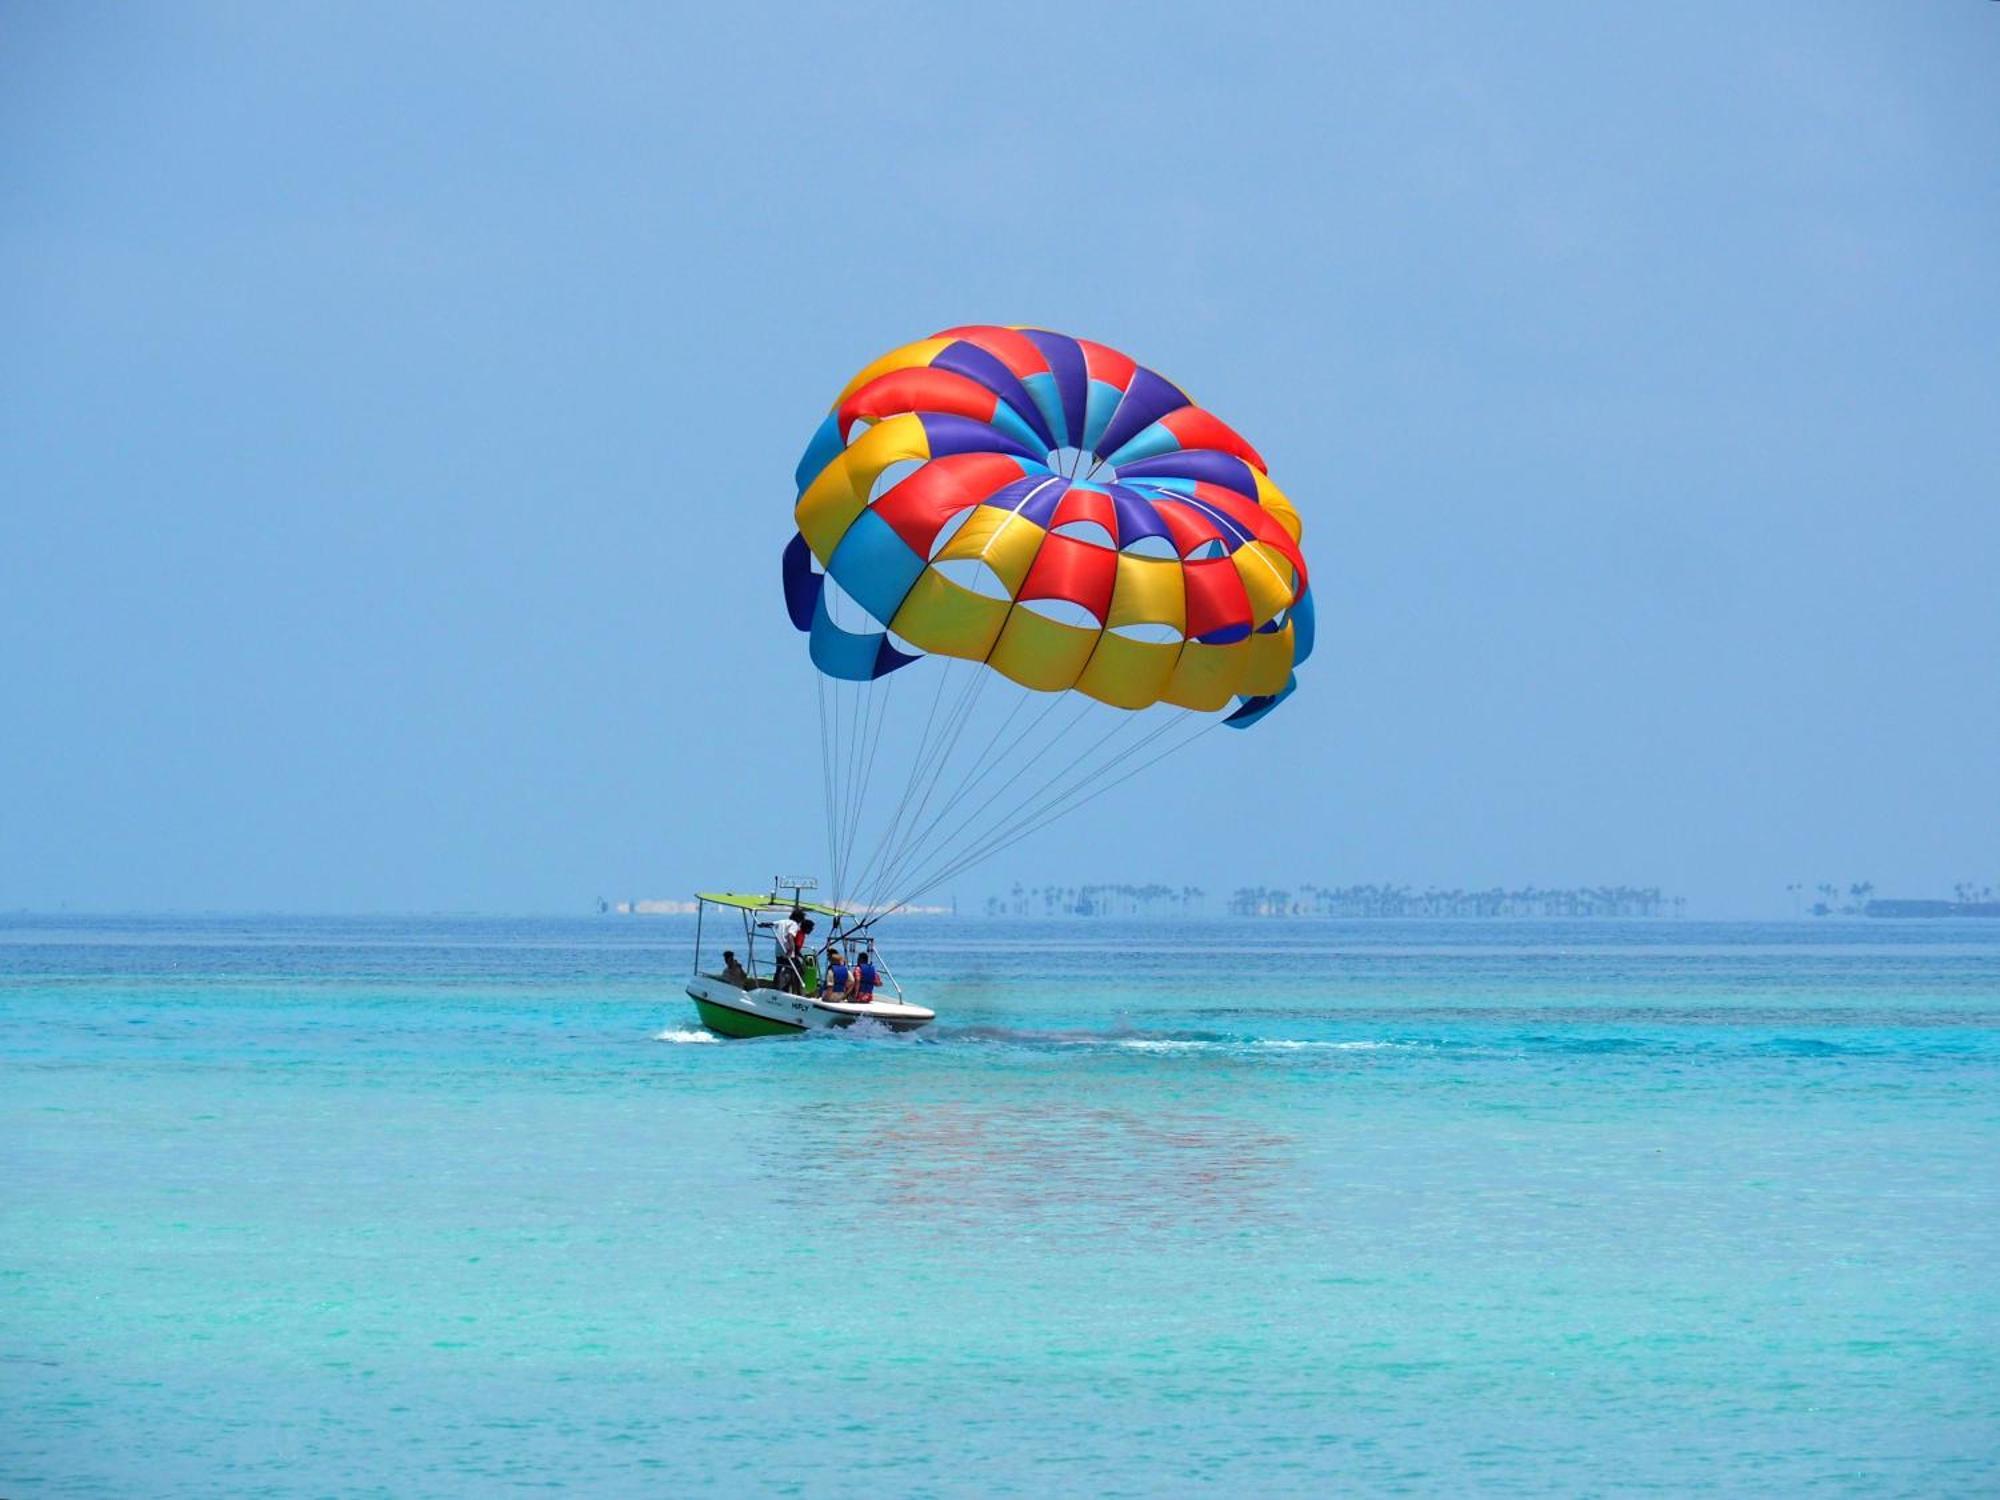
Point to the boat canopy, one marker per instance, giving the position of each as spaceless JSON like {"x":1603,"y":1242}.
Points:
{"x":747,"y":902}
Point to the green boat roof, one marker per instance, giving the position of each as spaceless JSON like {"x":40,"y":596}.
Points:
{"x":749,"y":902}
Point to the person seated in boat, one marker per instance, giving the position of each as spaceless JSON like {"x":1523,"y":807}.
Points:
{"x":866,"y":977}
{"x":839,"y":978}
{"x":732,"y":971}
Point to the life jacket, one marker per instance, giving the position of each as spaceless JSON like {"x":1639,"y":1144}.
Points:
{"x":836,"y":976}
{"x":865,"y":981}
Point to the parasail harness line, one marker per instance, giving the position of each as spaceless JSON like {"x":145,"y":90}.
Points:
{"x":928,"y":764}
{"x":895,"y":877}
{"x":890,"y":877}
{"x":1058,"y":804}
{"x":859,"y":798}
{"x":1022,"y":827}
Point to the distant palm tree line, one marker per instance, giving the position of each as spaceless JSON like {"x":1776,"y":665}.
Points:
{"x":1335,"y":901}
{"x":1435,"y":901}
{"x":1829,"y":903}
{"x":1860,"y":893}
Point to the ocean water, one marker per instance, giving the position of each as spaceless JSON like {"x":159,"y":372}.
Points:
{"x":452,"y":1206}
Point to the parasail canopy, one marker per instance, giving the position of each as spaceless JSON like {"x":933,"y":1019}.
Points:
{"x":1052,"y":508}
{"x":1044,"y":513}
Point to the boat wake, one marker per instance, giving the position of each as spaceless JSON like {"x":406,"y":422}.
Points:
{"x":1125,"y":1039}
{"x":1120,"y":1040}
{"x":1283,"y":1044}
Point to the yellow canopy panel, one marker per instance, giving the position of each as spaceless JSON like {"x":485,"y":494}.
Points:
{"x":749,"y":902}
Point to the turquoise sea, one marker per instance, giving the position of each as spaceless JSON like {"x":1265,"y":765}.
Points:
{"x":457,"y":1206}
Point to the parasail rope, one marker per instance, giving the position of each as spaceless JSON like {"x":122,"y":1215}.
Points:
{"x":996,"y":750}
{"x":957,"y":719}
{"x":1066,"y":782}
{"x":970,"y":819}
{"x":932,"y":881}
{"x":1074,"y":781}
{"x":857,"y":721}
{"x":918,"y":764}
{"x":833,"y":776}
{"x":825,"y":777}
{"x":879,"y":711}
{"x":921,"y":839}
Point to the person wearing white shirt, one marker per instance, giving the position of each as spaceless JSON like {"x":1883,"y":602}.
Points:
{"x":790,"y":934}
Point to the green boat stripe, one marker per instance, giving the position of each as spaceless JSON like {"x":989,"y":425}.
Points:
{"x":730,"y":1021}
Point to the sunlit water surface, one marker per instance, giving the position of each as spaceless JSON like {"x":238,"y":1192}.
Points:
{"x":450,"y":1206}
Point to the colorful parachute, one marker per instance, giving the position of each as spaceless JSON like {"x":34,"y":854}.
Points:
{"x":1176,"y":554}
{"x":1057,"y":516}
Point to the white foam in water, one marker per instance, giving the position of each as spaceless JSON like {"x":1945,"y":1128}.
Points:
{"x":1143,"y":1044}
{"x":687,"y":1036}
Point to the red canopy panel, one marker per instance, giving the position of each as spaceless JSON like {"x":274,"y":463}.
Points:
{"x":1256,"y":520}
{"x":919,"y":388}
{"x":1189,"y":526}
{"x":1107,"y":365}
{"x":1086,"y":505}
{"x":917,"y":509}
{"x":1199,"y":429}
{"x":1010,"y":346}
{"x":1216,"y":598}
{"x":1081,"y":572}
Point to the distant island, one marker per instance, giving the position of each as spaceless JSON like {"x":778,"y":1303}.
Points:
{"x":1126,"y":900}
{"x":642,"y":906}
{"x":1967,"y":900}
{"x":1923,"y":908}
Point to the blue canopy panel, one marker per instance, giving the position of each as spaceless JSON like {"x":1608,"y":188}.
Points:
{"x":968,"y":359}
{"x":852,"y":656}
{"x":1254,"y":709}
{"x":1148,"y":398}
{"x":825,"y":446}
{"x":1068,"y":382}
{"x":803,"y":583}
{"x":1303,"y":630}
{"x":1304,"y":626}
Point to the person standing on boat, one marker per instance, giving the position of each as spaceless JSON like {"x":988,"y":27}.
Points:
{"x":791,"y":936}
{"x":808,"y":960}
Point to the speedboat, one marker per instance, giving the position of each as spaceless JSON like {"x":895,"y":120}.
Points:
{"x":753,"y":1004}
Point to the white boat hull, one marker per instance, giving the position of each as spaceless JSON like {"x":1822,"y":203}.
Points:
{"x":731,"y":1011}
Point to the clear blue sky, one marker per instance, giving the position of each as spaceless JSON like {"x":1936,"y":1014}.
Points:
{"x":398,"y":406}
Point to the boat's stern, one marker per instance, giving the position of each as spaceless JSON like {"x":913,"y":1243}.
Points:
{"x":894,"y":1014}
